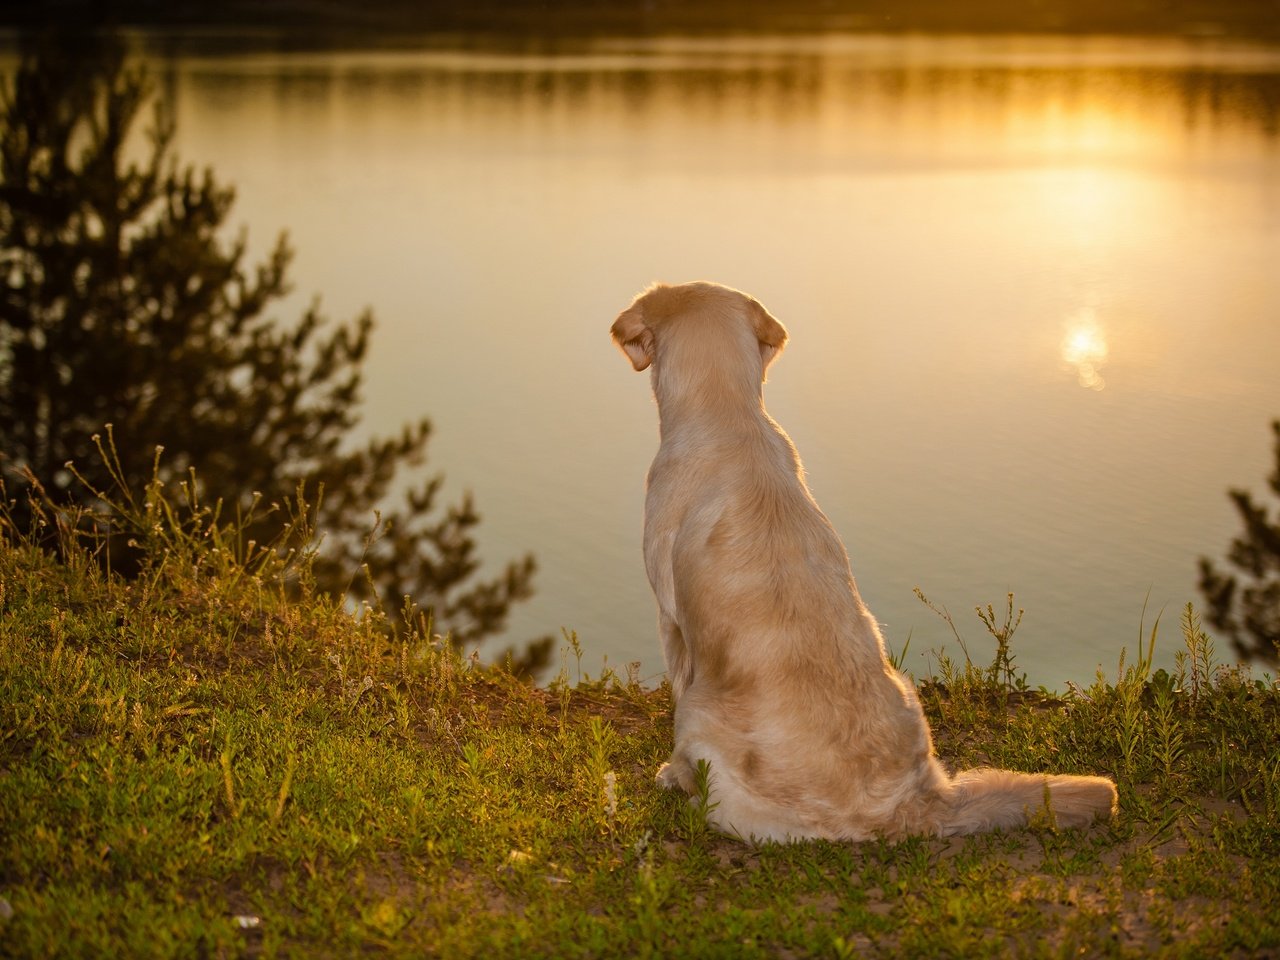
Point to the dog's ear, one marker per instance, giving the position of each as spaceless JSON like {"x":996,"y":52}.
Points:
{"x":771,"y":334}
{"x":633,"y":335}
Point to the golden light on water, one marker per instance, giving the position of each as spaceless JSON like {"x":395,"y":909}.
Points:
{"x":1056,"y":214}
{"x":1084,"y":348}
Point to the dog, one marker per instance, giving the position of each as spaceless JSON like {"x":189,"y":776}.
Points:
{"x":778,"y":670}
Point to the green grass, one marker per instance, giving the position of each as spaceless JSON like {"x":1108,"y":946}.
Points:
{"x":211,"y":761}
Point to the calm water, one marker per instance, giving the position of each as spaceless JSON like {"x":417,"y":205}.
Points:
{"x":1031,"y":283}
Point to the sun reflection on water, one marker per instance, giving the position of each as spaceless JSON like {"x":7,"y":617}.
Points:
{"x":1084,"y":347}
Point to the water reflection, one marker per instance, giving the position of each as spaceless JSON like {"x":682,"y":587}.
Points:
{"x":1084,"y":348}
{"x":1084,"y":96}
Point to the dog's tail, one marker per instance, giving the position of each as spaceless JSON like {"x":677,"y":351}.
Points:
{"x":987,"y":799}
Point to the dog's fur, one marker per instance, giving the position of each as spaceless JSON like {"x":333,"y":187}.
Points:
{"x":777,"y":668}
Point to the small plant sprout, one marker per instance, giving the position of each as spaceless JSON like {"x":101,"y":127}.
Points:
{"x":699,"y":808}
{"x":599,"y":773}
{"x":1196,"y":661}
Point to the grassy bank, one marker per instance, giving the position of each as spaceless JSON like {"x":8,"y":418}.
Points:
{"x":193,"y":765}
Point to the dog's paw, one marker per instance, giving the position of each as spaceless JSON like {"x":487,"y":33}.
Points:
{"x":666,"y":777}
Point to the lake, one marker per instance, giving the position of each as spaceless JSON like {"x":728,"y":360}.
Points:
{"x":1031,"y":285}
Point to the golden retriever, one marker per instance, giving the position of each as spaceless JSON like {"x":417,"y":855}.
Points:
{"x":777,"y":668}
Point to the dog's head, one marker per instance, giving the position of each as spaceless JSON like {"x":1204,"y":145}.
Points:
{"x":704,"y":322}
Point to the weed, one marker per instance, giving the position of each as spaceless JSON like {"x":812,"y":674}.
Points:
{"x":1002,"y":669}
{"x":700,"y":807}
{"x":1195,"y":663}
{"x":1001,"y":675}
{"x":898,"y":660}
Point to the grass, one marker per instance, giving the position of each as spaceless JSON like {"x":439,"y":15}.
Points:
{"x":210,"y":760}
